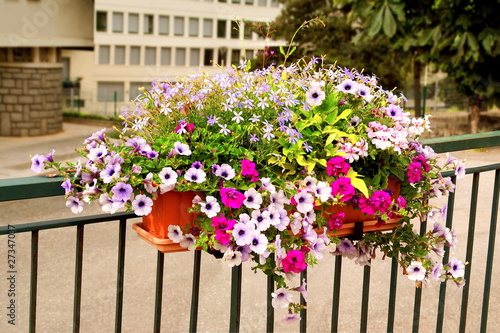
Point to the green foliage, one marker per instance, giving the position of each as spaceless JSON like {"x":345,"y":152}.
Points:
{"x":334,"y":39}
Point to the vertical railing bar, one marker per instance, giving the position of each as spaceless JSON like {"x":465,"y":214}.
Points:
{"x":270,"y":309}
{"x":470,"y":247}
{"x":365,"y":299}
{"x":416,"y":310}
{"x":491,"y":252}
{"x":160,"y":263}
{"x":303,"y":311}
{"x":234,"y":320}
{"x":392,"y":295}
{"x":122,"y":232}
{"x":417,"y":305}
{"x":195,"y":292}
{"x":33,"y":280}
{"x":442,"y":287}
{"x":77,"y":302}
{"x":336,"y":294}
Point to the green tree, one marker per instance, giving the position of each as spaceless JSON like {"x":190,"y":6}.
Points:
{"x":466,"y":45}
{"x":334,"y":40}
{"x":461,"y":37}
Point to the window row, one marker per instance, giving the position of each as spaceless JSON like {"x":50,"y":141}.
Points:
{"x":177,"y":26}
{"x":168,"y":56}
{"x":115,"y":91}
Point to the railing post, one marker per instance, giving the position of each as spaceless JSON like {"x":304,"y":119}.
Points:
{"x":120,"y":274}
{"x":336,"y":294}
{"x":442,"y":287}
{"x":193,"y":319}
{"x":303,"y":311}
{"x":491,"y":252}
{"x":270,"y":309}
{"x":33,"y":280}
{"x":160,"y":263}
{"x":234,"y":320}
{"x":468,"y":256}
{"x":77,"y":302}
{"x":365,"y":298}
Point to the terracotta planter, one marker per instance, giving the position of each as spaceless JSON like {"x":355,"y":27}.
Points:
{"x":168,"y":209}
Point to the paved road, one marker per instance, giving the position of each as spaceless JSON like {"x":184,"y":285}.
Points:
{"x":56,"y":269}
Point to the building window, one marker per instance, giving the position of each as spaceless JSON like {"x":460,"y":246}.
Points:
{"x":101,"y":21}
{"x":134,"y":91}
{"x":133,"y":23}
{"x":117,"y":22}
{"x":221,"y":59}
{"x":150,"y":56}
{"x":119,"y":55}
{"x":194,"y":57}
{"x":236,"y":1}
{"x":249,"y":54}
{"x":110,"y":91}
{"x":235,"y":30}
{"x":103,"y":54}
{"x":221,"y":28}
{"x":274,"y":3}
{"x":208,"y":57}
{"x":3,"y":54}
{"x":135,"y":55}
{"x":22,"y":54}
{"x":179,"y":26}
{"x":166,"y":56}
{"x":180,"y":56}
{"x":193,"y":26}
{"x":163,"y":25}
{"x":235,"y":57}
{"x":247,"y":31}
{"x":249,"y":2}
{"x":148,"y":24}
{"x":262,"y":3}
{"x":208,"y":27}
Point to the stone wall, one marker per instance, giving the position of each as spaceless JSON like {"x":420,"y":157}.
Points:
{"x":30,"y":99}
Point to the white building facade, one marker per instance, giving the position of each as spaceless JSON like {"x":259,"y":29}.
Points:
{"x":136,"y":42}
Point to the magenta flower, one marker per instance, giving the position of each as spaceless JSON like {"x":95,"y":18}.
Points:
{"x":380,"y":201}
{"x":336,"y":221}
{"x":295,"y":261}
{"x":414,"y":172}
{"x":343,"y":189}
{"x":222,"y":225}
{"x":336,"y":166}
{"x":248,"y":170}
{"x":231,"y":197}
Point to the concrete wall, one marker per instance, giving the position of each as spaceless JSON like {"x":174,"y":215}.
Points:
{"x":45,"y":23}
{"x":30,"y":99}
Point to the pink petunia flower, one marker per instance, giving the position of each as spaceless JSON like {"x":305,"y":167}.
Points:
{"x":294,"y":261}
{"x":343,"y":189}
{"x":231,"y":197}
{"x":337,"y":166}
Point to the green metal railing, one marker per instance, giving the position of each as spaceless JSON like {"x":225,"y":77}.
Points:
{"x":38,"y":187}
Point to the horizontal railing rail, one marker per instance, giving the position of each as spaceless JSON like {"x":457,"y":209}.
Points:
{"x":41,"y":187}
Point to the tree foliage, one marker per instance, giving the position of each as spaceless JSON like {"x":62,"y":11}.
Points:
{"x":334,"y":40}
{"x":461,"y":37}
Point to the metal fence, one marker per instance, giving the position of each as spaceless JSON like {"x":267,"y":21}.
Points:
{"x":333,"y":283}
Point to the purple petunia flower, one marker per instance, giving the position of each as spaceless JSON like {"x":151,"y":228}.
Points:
{"x":142,"y":205}
{"x":281,"y":298}
{"x":210,"y":207}
{"x":195,"y":175}
{"x":38,"y":163}
{"x":122,"y":191}
{"x":75,"y":204}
